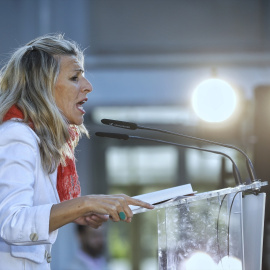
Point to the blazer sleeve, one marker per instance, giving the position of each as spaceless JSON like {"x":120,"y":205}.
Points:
{"x":22,"y":221}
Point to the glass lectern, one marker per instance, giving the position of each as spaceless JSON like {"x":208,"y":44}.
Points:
{"x":215,"y":230}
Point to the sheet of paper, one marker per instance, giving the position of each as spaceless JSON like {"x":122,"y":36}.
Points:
{"x":163,"y":195}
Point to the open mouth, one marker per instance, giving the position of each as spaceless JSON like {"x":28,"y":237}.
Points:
{"x":80,"y":105}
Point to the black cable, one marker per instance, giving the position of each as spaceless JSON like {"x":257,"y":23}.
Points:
{"x":219,"y":252}
{"x":229,"y":222}
{"x":228,"y":233}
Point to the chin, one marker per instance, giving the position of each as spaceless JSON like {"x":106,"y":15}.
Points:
{"x":76,"y":122}
{"x":79,"y":122}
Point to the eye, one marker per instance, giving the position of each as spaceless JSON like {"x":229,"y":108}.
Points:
{"x":74,"y":78}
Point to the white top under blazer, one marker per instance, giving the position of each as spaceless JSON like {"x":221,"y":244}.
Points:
{"x":27,"y":194}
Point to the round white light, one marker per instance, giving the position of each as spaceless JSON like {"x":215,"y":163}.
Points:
{"x":199,"y":260}
{"x":230,"y":263}
{"x":214,"y":100}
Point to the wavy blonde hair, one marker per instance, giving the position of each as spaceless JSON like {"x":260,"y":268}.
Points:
{"x":28,"y":80}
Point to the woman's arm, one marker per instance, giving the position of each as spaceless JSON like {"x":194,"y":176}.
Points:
{"x":26,"y":202}
{"x":99,"y":205}
{"x":26,"y":195}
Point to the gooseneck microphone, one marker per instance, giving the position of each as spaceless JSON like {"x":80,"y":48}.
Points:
{"x":120,"y":136}
{"x":134,"y":126}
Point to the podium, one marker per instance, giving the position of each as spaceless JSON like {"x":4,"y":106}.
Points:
{"x":215,"y":230}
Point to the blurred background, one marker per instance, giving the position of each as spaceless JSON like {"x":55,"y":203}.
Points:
{"x":149,"y":62}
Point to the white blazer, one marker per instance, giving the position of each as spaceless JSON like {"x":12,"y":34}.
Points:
{"x":27,"y":194}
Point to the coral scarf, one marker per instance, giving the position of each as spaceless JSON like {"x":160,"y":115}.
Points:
{"x":68,"y":185}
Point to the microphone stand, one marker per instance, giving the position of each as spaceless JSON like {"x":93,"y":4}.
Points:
{"x":134,"y":126}
{"x":120,"y":136}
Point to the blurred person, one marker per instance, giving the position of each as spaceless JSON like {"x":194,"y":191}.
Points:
{"x":42,"y":94}
{"x":91,"y":255}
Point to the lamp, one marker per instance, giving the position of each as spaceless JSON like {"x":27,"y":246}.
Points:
{"x":214,"y":100}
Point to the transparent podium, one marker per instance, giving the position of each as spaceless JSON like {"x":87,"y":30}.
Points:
{"x":215,"y":230}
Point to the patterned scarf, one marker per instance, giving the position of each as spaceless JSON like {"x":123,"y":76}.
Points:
{"x":68,"y":185}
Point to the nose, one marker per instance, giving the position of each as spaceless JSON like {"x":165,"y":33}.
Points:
{"x":87,"y":86}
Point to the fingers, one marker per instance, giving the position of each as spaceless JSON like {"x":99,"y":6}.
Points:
{"x":126,"y":212}
{"x":124,"y":208}
{"x":95,"y":221}
{"x":101,"y":218}
{"x":121,"y":210}
{"x":137,"y":202}
{"x":92,"y":220}
{"x":92,"y":223}
{"x":115,"y":206}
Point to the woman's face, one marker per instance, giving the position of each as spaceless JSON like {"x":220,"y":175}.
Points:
{"x":71,"y":89}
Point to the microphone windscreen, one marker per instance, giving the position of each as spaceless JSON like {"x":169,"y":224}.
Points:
{"x":120,"y":124}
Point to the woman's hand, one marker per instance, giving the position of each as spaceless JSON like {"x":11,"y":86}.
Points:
{"x":92,"y":220}
{"x":93,"y":210}
{"x":113,"y":205}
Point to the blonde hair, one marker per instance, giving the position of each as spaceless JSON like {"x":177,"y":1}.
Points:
{"x":28,"y":80}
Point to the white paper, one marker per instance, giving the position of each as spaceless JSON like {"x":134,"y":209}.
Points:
{"x":163,"y":195}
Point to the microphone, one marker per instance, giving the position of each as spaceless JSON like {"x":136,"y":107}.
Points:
{"x":120,"y":136}
{"x":134,"y":126}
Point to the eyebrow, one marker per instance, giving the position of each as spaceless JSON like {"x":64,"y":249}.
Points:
{"x":79,"y":70}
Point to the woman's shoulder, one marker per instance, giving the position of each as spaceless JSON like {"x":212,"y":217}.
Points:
{"x":17,"y":130}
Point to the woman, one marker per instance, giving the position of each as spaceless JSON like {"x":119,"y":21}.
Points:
{"x":42,"y":92}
